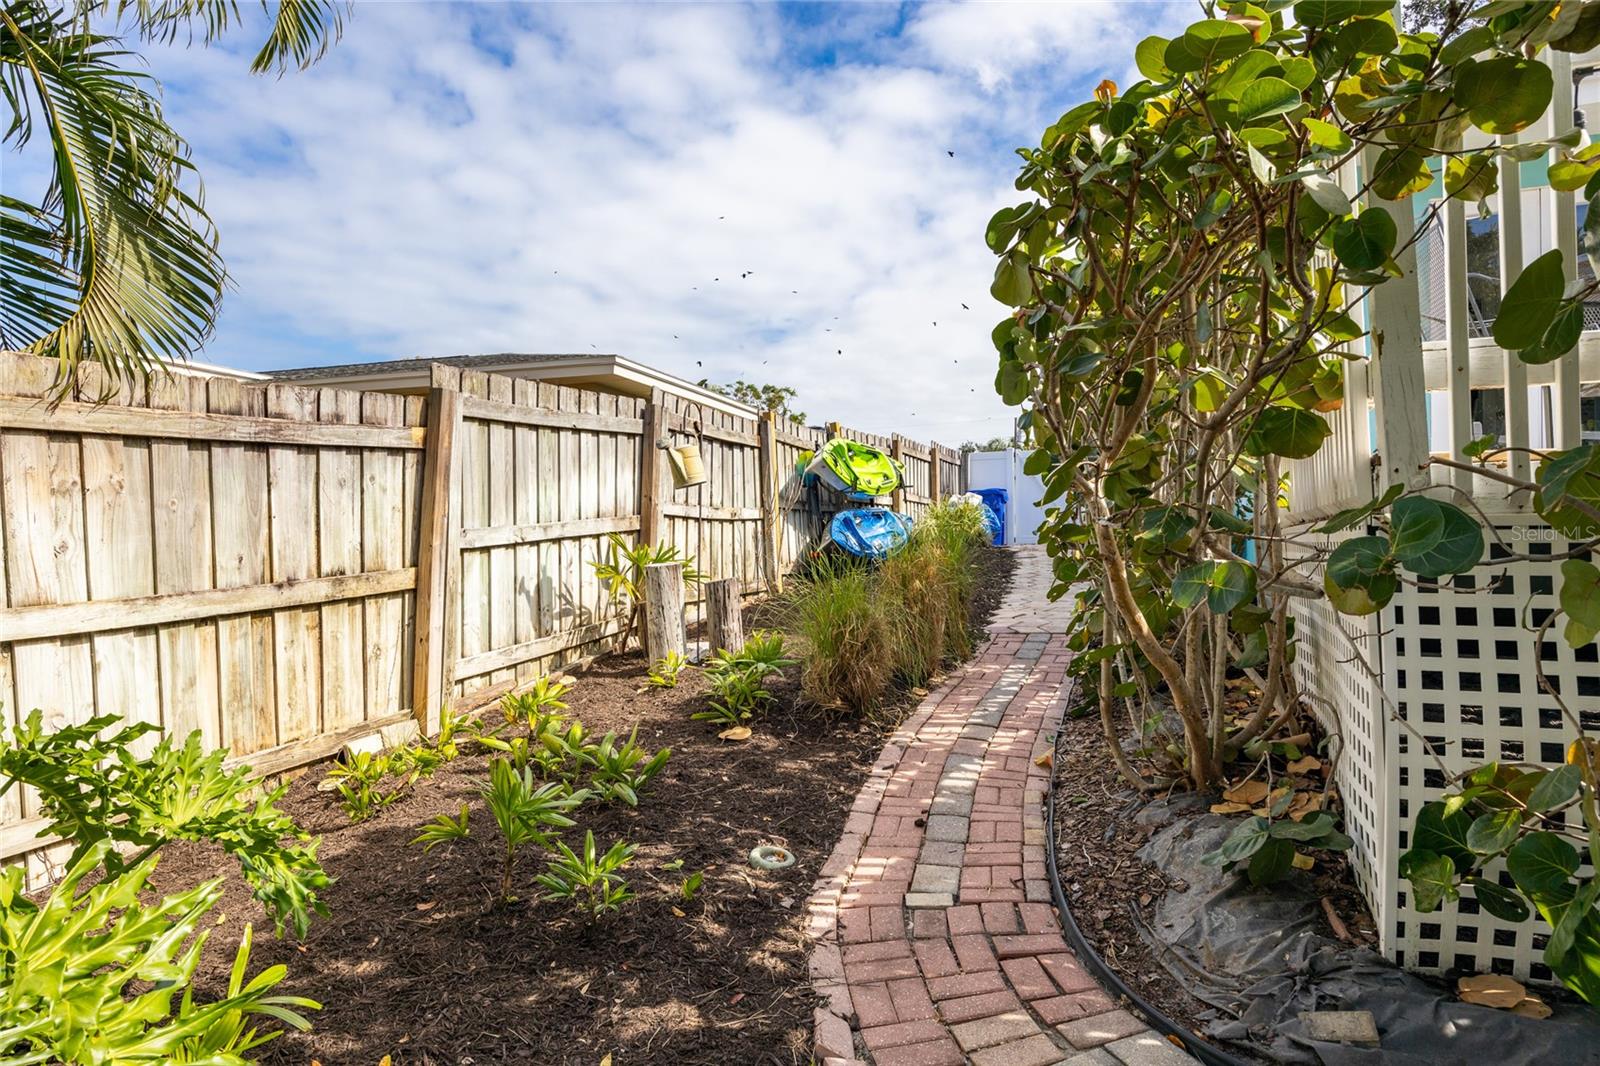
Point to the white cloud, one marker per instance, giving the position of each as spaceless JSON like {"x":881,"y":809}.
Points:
{"x":455,"y":178}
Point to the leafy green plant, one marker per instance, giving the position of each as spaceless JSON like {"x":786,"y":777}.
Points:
{"x":590,"y":881}
{"x":359,"y":784}
{"x":737,"y":692}
{"x":621,"y":571}
{"x":538,"y":702}
{"x":93,"y":788}
{"x":566,"y":754}
{"x":1267,"y":846}
{"x":691,"y":886}
{"x":622,"y":770}
{"x":524,"y":813}
{"x":1182,"y":284}
{"x":1518,"y":816}
{"x":443,"y":829}
{"x":94,"y":976}
{"x":666,"y":671}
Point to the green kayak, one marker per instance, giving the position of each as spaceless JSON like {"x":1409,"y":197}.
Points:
{"x":852,"y":467}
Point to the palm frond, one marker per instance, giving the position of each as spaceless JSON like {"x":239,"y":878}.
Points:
{"x":302,"y":30}
{"x":118,"y":262}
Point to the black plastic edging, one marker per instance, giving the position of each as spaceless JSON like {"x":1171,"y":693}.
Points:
{"x":1209,"y":1054}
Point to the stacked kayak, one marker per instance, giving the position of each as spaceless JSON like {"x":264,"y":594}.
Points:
{"x":856,"y":469}
{"x":869,"y":532}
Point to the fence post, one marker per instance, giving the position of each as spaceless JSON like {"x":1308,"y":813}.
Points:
{"x":897,"y":499}
{"x":935,"y":460}
{"x":835,"y":430}
{"x":434,"y":660}
{"x":724,"y":624}
{"x":650,"y":497}
{"x":663,"y":610}
{"x":1395,"y":369}
{"x":771,"y":514}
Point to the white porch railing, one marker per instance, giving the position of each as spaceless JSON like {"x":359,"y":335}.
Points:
{"x":1449,"y":673}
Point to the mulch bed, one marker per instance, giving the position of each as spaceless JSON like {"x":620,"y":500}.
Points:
{"x":419,"y":961}
{"x":1105,"y":881}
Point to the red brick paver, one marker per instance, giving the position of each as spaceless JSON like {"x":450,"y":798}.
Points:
{"x":935,"y":939}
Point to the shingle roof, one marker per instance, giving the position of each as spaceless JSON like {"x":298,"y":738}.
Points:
{"x":403,"y":366}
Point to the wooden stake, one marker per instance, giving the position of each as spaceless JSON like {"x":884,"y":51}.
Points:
{"x":897,"y":499}
{"x":650,"y":464}
{"x":724,"y":622}
{"x":663,"y":610}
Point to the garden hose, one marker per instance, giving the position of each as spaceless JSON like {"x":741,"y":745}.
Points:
{"x":1207,"y":1053}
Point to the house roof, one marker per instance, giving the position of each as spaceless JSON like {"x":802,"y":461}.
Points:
{"x":616,"y":371}
{"x":407,"y":366}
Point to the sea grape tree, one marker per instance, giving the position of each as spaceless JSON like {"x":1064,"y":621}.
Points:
{"x":1187,"y":279}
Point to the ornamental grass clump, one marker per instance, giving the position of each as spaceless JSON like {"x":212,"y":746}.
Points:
{"x":849,"y":634}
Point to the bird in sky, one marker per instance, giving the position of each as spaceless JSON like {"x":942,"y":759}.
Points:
{"x":964,"y":307}
{"x":950,"y":153}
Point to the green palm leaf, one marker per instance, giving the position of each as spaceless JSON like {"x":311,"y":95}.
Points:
{"x":117,"y":263}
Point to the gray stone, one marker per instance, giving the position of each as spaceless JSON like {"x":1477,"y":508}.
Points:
{"x":949,"y":827}
{"x":1097,"y":1057}
{"x":961,"y":805}
{"x":1149,"y":1049}
{"x":942,"y":853}
{"x":1341,"y":1026}
{"x":929,"y":900}
{"x":936,"y":879}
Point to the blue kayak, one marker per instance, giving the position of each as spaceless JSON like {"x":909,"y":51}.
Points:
{"x":870,"y":532}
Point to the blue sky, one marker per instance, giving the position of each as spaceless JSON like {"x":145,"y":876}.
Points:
{"x":720,"y":190}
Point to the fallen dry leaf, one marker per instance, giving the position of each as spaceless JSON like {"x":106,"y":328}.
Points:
{"x":1491,"y":990}
{"x":606,"y":1061}
{"x":1305,"y":765}
{"x":1304,"y":803}
{"x":427,"y":905}
{"x":919,"y":691}
{"x":738,"y":732}
{"x":1047,"y":760}
{"x":1303,"y":862}
{"x":677,"y":913}
{"x":1251,"y":792}
{"x":733,"y":1001}
{"x":1532,"y":1007}
{"x":1229,"y":808}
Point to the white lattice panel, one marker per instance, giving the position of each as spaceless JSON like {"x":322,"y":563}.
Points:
{"x":1459,"y":662}
{"x":1338,"y":661}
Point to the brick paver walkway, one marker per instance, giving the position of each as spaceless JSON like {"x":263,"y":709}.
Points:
{"x":937,"y":943}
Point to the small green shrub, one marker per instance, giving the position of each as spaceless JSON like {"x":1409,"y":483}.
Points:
{"x":622,"y":770}
{"x":442,"y":830}
{"x":92,"y":788}
{"x":691,"y":886}
{"x":526,"y":814}
{"x":590,"y":881}
{"x":359,"y":783}
{"x":546,"y":695}
{"x":622,"y":574}
{"x":91,"y":977}
{"x":737,"y":693}
{"x":666,"y":671}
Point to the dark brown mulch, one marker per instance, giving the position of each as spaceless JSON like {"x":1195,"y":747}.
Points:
{"x":1097,"y":841}
{"x":419,"y":961}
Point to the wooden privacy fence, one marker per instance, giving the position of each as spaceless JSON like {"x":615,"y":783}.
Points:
{"x":286,"y":568}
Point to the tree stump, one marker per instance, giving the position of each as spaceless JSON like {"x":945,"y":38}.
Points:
{"x":663,"y":610}
{"x":724,"y":622}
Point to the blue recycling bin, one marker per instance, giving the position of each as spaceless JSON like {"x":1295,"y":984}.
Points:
{"x":995,"y":500}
